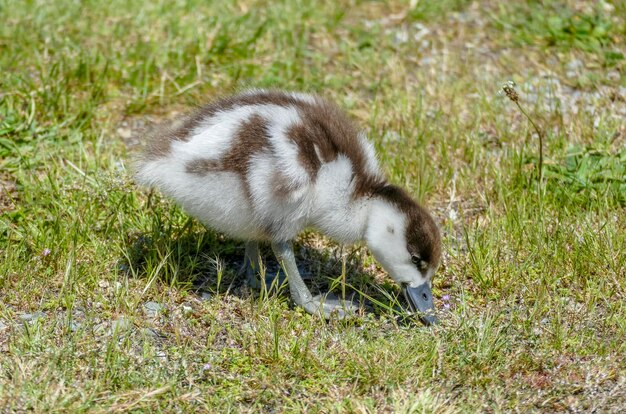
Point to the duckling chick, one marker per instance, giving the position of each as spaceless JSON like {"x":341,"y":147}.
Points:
{"x":263,"y":165}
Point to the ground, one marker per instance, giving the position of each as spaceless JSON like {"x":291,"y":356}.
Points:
{"x":112,"y":299}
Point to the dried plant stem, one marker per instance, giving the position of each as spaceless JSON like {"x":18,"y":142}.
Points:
{"x":512,"y":94}
{"x":540,"y":134}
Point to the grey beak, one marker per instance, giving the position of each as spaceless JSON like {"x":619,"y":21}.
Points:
{"x":421,"y":300}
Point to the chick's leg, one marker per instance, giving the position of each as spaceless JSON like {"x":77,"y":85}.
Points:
{"x":251,"y":264}
{"x":252,"y":267}
{"x":301,"y":295}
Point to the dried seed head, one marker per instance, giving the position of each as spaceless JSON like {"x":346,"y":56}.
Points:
{"x":509,"y":90}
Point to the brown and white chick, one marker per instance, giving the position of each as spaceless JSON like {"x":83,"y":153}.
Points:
{"x":264,"y":165}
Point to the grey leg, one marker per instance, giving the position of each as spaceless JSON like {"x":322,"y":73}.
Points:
{"x":252,"y":267}
{"x":301,"y":294}
{"x":251,"y":264}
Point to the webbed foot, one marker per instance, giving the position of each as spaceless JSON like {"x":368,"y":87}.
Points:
{"x":332,"y":307}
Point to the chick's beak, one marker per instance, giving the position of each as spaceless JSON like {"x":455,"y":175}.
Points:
{"x":420,"y":299}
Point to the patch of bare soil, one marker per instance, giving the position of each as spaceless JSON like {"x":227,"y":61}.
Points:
{"x":8,"y":193}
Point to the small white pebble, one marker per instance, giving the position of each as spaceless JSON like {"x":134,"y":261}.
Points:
{"x":453,"y":215}
{"x":124,"y":133}
{"x":152,"y":308}
{"x":613,"y":76}
{"x":28,"y":317}
{"x":121,"y":324}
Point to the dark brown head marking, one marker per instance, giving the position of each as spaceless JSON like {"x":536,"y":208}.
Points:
{"x":422,"y":235}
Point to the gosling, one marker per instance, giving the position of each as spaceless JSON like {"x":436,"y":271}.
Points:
{"x":263,"y":165}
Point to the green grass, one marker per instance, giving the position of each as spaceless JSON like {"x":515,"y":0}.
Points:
{"x":533,"y":282}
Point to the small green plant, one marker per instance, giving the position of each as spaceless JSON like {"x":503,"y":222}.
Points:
{"x":557,"y":25}
{"x":585,"y":31}
{"x":590,"y":172}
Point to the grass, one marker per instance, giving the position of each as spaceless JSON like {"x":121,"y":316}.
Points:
{"x":532,"y":286}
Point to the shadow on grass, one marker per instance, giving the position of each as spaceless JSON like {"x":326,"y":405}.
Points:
{"x":204,"y":261}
